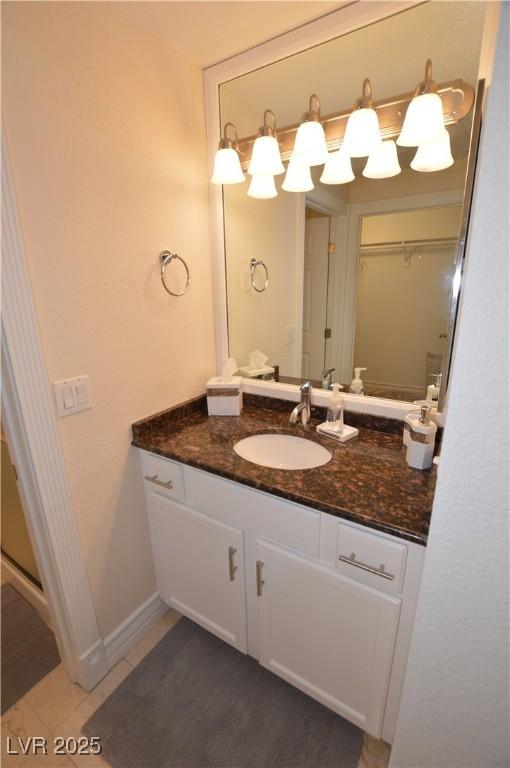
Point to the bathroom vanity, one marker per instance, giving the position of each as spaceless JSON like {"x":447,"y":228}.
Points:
{"x":313,"y":572}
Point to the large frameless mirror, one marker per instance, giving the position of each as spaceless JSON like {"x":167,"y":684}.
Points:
{"x":362,"y":273}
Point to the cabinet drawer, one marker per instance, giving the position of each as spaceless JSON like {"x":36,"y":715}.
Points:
{"x":163,"y":475}
{"x":370,"y":558}
{"x":281,"y":521}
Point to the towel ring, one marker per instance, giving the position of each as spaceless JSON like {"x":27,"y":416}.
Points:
{"x":253,"y":266}
{"x":165,"y":257}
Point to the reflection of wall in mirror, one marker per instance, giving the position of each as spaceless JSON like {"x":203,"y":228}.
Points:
{"x":271,"y":231}
{"x":409,"y":183}
{"x":403,"y":298}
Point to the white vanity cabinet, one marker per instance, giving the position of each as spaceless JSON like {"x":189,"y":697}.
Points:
{"x":275,"y":579}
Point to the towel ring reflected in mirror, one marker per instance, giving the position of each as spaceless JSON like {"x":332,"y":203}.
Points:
{"x":165,"y":258}
{"x":253,"y":266}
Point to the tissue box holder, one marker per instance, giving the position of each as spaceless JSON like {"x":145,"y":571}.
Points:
{"x":224,"y":398}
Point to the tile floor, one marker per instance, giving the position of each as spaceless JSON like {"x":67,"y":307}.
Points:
{"x":56,"y":706}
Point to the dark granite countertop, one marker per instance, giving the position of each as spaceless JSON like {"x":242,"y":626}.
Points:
{"x":367,"y":480}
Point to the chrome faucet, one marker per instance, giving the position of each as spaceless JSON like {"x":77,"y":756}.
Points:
{"x":327,"y":378}
{"x":304,"y":407}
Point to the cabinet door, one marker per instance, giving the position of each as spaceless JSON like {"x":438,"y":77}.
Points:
{"x":326,"y":634}
{"x":199,"y":566}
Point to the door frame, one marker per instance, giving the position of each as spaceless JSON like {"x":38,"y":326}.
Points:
{"x":310,"y":374}
{"x":338,"y":212}
{"x":31,"y":424}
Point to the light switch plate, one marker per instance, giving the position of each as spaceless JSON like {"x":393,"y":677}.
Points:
{"x":290,"y":334}
{"x":71,"y":395}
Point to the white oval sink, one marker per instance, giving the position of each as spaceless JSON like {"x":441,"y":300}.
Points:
{"x":282,"y":451}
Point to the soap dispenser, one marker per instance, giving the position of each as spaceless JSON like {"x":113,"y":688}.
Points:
{"x":335,"y":414}
{"x":419,"y":437}
{"x":357,"y":387}
{"x":433,"y":389}
{"x":334,"y":425}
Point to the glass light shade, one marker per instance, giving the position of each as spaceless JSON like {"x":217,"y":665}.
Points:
{"x":338,"y":168}
{"x":434,"y":155}
{"x":298,"y":177}
{"x":383,"y":162}
{"x":265,"y":157}
{"x":362,"y":134}
{"x":262,"y":187}
{"x":310,"y":145}
{"x":227,"y":168}
{"x":423,"y":121}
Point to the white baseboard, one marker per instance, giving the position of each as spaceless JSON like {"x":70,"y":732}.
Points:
{"x":130,"y":632}
{"x":26,"y":588}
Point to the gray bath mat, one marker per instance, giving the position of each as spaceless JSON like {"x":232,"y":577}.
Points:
{"x":195,"y":702}
{"x":29,"y":650}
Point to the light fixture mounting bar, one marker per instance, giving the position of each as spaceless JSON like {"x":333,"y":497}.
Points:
{"x":457,"y":96}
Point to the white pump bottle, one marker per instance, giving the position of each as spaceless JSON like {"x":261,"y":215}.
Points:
{"x":357,"y":387}
{"x":335,"y":415}
{"x":433,"y":389}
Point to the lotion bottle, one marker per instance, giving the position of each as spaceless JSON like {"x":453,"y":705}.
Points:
{"x":433,"y":389}
{"x":357,"y":387}
{"x":419,"y":437}
{"x":335,"y":415}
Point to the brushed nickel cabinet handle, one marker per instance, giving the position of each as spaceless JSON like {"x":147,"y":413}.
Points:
{"x":364,"y":567}
{"x":260,"y":580}
{"x":154,"y":479}
{"x":232,"y":568}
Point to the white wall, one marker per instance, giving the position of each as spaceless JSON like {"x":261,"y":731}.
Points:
{"x":422,"y":224}
{"x":105,"y":129}
{"x":409,"y":183}
{"x":454,"y":709}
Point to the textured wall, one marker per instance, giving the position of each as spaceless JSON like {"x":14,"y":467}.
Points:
{"x":105,"y":129}
{"x":454,"y":709}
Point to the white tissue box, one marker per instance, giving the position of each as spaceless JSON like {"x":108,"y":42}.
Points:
{"x":251,"y":372}
{"x":224,"y":398}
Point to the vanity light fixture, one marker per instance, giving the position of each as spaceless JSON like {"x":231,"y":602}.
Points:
{"x":338,"y":168}
{"x":298,"y":177}
{"x":362,"y":134}
{"x":424,"y":119}
{"x":433,"y":155}
{"x":262,"y":186}
{"x":429,"y":109}
{"x":383,"y":162}
{"x":265,"y":157}
{"x":227,"y":167}
{"x":310,"y":146}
